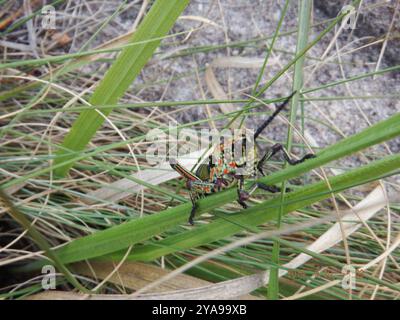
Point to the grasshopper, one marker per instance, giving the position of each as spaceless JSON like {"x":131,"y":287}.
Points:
{"x":213,"y":176}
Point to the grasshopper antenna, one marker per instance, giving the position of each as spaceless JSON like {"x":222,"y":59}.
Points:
{"x":279,"y":108}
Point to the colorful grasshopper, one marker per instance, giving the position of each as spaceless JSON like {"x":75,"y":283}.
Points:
{"x":212,"y":177}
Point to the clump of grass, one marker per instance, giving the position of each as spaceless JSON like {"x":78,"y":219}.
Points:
{"x":93,"y":125}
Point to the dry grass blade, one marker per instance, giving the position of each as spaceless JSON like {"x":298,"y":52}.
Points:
{"x":383,"y":255}
{"x":135,"y":276}
{"x":157,"y":175}
{"x":200,"y":19}
{"x":364,"y":211}
{"x":216,"y":88}
{"x":241,"y":62}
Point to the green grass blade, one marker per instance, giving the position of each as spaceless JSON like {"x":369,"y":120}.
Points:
{"x":302,"y":39}
{"x":269,"y":49}
{"x":125,"y":69}
{"x":360,"y":76}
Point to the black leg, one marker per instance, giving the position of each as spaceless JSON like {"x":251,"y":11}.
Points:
{"x":264,"y":159}
{"x":279,"y":108}
{"x":192,"y":214}
{"x":242,"y":203}
{"x":193,"y":197}
{"x":274,"y":150}
{"x":279,"y":148}
{"x":272,"y":189}
{"x":242,"y":194}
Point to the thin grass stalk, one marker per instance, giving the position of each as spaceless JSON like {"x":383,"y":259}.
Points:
{"x":305,"y":7}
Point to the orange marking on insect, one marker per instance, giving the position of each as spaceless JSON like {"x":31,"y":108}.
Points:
{"x":232,"y":164}
{"x":226,"y":171}
{"x":212,"y":173}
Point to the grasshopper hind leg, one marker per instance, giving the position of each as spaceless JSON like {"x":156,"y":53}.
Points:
{"x":273,"y":151}
{"x":193,"y":198}
{"x":242,"y":194}
{"x":192,"y":214}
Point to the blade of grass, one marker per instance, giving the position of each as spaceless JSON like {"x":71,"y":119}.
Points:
{"x":136,"y":276}
{"x":354,"y":78}
{"x":302,"y":39}
{"x":269,"y":49}
{"x":188,"y":103}
{"x":125,"y":69}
